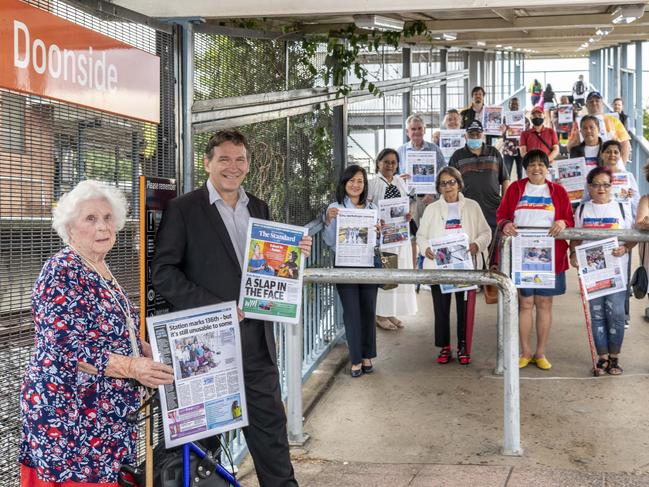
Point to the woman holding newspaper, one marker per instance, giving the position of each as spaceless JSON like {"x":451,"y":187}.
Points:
{"x":536,"y":202}
{"x":400,"y":301}
{"x":606,"y":312}
{"x":82,"y":381}
{"x":358,"y":300}
{"x":452,"y":214}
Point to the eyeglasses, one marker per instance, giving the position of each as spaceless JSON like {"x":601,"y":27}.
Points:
{"x":600,"y":185}
{"x":448,"y":182}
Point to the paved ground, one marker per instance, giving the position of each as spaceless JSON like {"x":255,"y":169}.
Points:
{"x":417,"y":423}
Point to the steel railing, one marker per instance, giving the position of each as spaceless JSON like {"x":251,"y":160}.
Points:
{"x":509,"y":317}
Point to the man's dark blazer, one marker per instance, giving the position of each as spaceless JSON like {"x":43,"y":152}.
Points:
{"x":195,"y":263}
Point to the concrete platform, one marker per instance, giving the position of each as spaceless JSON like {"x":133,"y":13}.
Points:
{"x":414,"y":422}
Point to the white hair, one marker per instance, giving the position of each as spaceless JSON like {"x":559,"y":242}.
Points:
{"x":68,"y":206}
{"x":416,"y":118}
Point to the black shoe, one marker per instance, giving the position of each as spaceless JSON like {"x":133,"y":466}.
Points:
{"x":357,"y":372}
{"x":367,"y":369}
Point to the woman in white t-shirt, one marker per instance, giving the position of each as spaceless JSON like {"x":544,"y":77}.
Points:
{"x":536,"y":202}
{"x":592,"y":142}
{"x":607,"y":312}
{"x":452,"y":213}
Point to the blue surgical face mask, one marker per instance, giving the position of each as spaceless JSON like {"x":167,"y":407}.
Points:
{"x":473,"y":143}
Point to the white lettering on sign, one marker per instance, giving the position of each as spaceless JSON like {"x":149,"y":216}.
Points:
{"x":79,"y":67}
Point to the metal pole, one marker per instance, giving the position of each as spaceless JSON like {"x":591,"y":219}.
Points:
{"x":294,"y":346}
{"x":511,"y":386}
{"x":443,"y":89}
{"x":187,"y":99}
{"x":406,"y":108}
{"x":638,"y":108}
{"x":511,"y":440}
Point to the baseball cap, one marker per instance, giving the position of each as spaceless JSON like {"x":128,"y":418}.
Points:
{"x":474,"y":126}
{"x":537,"y":109}
{"x":593,"y":94}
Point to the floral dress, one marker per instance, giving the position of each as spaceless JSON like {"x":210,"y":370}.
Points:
{"x":75,"y":425}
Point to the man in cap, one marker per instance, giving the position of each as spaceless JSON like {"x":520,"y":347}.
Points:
{"x":539,"y":136}
{"x":612,"y":128}
{"x":485,"y":176}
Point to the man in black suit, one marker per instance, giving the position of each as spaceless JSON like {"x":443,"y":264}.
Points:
{"x":200,"y":249}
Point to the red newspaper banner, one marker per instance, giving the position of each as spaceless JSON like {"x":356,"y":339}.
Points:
{"x":45,"y":55}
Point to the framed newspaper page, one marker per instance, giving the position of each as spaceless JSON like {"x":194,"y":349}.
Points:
{"x":203,"y":346}
{"x":422,"y":167}
{"x":533,"y":259}
{"x":271,"y":281}
{"x":452,"y":252}
{"x":600,"y":272}
{"x":355,"y":237}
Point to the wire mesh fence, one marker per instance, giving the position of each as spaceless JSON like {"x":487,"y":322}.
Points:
{"x":46,"y":147}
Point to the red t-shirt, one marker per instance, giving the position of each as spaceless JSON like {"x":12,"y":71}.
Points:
{"x":532,"y":139}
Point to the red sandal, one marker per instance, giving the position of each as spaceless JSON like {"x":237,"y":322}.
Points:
{"x":445,"y":355}
{"x":462,"y":355}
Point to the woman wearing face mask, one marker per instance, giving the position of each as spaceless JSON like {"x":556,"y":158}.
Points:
{"x":539,"y":137}
{"x":400,"y":301}
{"x":510,"y":151}
{"x":590,"y":147}
{"x":607,"y":312}
{"x":537,"y":202}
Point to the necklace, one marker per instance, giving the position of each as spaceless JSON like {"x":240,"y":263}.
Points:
{"x":130,"y":325}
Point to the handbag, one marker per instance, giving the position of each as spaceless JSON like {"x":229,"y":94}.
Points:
{"x":638,"y":282}
{"x":386,"y":260}
{"x":491,"y":291}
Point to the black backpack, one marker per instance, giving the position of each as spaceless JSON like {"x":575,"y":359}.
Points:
{"x":580,"y":88}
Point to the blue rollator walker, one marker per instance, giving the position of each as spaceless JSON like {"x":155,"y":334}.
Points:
{"x":198,"y":451}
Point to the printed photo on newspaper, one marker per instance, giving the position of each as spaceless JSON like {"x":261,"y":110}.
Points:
{"x":564,"y":114}
{"x":533,"y":259}
{"x":620,"y":187}
{"x":422,"y":167}
{"x":271,"y":282}
{"x":600,"y":272}
{"x":355,"y":237}
{"x":492,"y":119}
{"x":452,"y":252}
{"x":450,"y":141}
{"x":515,"y":122}
{"x":203,"y":346}
{"x":396,"y":228}
{"x":571,"y":174}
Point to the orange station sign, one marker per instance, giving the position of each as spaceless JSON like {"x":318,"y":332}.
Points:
{"x":45,"y":55}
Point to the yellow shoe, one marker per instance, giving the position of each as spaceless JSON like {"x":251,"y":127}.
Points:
{"x":543,"y":363}
{"x":524,"y":362}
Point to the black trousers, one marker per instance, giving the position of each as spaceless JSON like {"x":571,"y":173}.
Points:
{"x":442,"y":306}
{"x":359,"y":315}
{"x":266,"y":434}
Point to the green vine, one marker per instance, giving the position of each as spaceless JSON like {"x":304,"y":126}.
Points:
{"x":343,"y":48}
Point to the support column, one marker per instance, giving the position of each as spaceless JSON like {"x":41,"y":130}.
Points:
{"x":339,"y":128}
{"x":594,"y":67}
{"x":186,"y":101}
{"x":467,"y":80}
{"x":406,"y":60}
{"x":502,"y":74}
{"x":474,"y":75}
{"x":517,"y":71}
{"x":639,"y":96}
{"x":443,"y":67}
{"x":615,"y":88}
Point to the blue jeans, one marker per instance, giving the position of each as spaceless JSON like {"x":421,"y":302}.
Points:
{"x":607,"y":321}
{"x":509,"y":164}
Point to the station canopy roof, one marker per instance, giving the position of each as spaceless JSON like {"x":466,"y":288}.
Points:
{"x":538,"y":28}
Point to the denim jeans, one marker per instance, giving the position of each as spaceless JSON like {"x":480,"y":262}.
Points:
{"x":509,"y":164}
{"x":607,"y":320}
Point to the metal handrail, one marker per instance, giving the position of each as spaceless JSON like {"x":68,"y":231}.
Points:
{"x":509,"y":317}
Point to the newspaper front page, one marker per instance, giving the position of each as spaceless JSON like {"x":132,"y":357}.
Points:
{"x":515,"y":121}
{"x":571,"y":174}
{"x":422,"y":167}
{"x":564,"y":114}
{"x":450,"y":141}
{"x":271,"y":282}
{"x":492,"y":119}
{"x":203,"y":346}
{"x":600,"y":272}
{"x":393,"y":215}
{"x":620,"y":187}
{"x":452,"y":252}
{"x":533,"y":259}
{"x":355,"y":237}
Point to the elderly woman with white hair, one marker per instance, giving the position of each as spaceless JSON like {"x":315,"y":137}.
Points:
{"x":82,"y":381}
